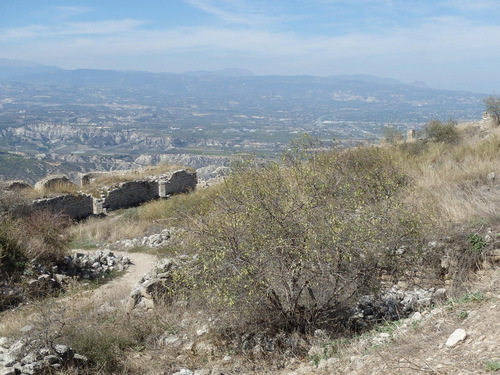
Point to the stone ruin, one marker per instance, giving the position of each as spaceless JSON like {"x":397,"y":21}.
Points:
{"x":15,"y":186}
{"x":34,"y":353}
{"x":488,"y":120}
{"x":411,"y":136}
{"x":124,"y":195}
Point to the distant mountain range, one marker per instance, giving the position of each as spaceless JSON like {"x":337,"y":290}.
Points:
{"x":58,"y":115}
{"x":29,"y":72}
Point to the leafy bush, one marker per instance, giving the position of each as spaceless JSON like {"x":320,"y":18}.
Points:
{"x":492,"y":104}
{"x":288,"y":245}
{"x":477,"y":242}
{"x":436,"y":131}
{"x":392,"y":135}
{"x":492,"y":365}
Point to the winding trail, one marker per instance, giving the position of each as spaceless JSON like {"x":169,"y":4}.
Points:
{"x":110,"y":296}
{"x":120,"y":287}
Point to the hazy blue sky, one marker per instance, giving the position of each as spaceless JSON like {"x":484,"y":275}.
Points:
{"x":446,"y":43}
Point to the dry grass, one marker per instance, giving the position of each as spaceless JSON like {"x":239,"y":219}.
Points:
{"x":450,"y":181}
{"x":54,"y":189}
{"x":449,"y":186}
{"x":174,"y":210}
{"x":110,"y":229}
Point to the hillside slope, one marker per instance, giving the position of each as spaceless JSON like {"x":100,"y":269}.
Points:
{"x":418,"y":345}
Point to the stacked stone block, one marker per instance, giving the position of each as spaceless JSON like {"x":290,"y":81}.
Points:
{"x":75,"y":206}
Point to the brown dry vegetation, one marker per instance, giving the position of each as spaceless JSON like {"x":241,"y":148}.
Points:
{"x":450,"y":181}
{"x":443,"y":185}
{"x":117,"y":226}
{"x":54,"y":189}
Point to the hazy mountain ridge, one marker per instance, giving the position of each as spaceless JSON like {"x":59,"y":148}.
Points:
{"x":14,"y":71}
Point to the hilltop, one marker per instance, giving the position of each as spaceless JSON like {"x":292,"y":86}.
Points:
{"x":361,"y":260}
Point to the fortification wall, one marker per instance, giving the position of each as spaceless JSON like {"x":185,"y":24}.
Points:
{"x":181,"y":181}
{"x":127,"y":194}
{"x":133,"y":193}
{"x":76,"y":206}
{"x":130,"y":194}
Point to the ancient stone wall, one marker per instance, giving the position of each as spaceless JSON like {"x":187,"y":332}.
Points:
{"x":130,"y":194}
{"x":181,"y":181}
{"x":75,"y":206}
{"x":125,"y":195}
{"x":51,"y":182}
{"x":133,"y":193}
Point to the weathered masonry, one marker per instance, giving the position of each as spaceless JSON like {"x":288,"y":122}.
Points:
{"x":133,"y":193}
{"x":75,"y":206}
{"x":125,"y":195}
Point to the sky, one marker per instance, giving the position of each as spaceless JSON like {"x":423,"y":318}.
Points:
{"x":448,"y":44}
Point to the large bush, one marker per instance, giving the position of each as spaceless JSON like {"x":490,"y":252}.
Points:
{"x":289,"y":245}
{"x":437,"y":131}
{"x":43,"y":236}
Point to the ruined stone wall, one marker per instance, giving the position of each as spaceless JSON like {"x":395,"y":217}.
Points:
{"x":130,"y":194}
{"x":127,"y":194}
{"x":181,"y":181}
{"x":76,"y":206}
{"x":133,"y":193}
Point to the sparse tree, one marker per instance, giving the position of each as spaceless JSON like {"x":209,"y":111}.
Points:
{"x":493,"y":108}
{"x":289,"y":245}
{"x":392,"y":134}
{"x":437,"y":131}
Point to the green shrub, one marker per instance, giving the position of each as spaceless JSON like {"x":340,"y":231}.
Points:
{"x":437,"y":131}
{"x":493,"y":365}
{"x":288,"y":245}
{"x":477,"y":242}
{"x":392,"y":135}
{"x":104,"y":347}
{"x":492,"y":104}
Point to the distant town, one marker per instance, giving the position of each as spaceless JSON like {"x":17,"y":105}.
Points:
{"x":57,"y":114}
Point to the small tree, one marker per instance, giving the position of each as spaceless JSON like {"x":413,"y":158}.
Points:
{"x":289,"y":245}
{"x":493,"y":108}
{"x":437,"y":131}
{"x":392,"y":134}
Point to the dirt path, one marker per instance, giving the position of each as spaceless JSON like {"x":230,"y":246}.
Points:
{"x":120,"y":288}
{"x":111,"y":296}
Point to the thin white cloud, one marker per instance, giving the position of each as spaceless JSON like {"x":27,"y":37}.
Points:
{"x":109,"y":27}
{"x":442,"y":39}
{"x":427,"y":47}
{"x":70,"y":11}
{"x":241,"y":12}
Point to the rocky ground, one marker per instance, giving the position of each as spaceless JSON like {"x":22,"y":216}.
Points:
{"x":30,"y":352}
{"x":454,"y":336}
{"x":461,"y":336}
